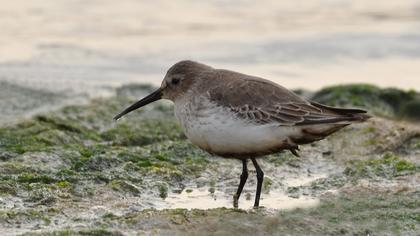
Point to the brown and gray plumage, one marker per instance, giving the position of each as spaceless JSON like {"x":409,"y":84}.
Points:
{"x":234,"y":115}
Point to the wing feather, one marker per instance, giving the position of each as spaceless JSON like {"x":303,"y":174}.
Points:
{"x":261,"y":101}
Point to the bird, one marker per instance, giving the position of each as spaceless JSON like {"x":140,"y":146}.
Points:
{"x":234,"y":115}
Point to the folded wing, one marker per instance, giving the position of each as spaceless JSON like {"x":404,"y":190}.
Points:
{"x":262,"y":101}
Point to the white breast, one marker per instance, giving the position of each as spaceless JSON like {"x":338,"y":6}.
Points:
{"x":218,"y":130}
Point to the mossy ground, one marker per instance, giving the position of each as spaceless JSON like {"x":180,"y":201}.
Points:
{"x":76,"y":172}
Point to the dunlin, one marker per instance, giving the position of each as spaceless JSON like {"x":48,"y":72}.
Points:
{"x":233,"y":115}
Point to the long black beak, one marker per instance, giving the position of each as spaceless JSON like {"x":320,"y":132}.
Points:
{"x":156,"y":95}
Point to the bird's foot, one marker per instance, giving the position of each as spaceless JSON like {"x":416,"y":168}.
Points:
{"x":235,"y":200}
{"x":258,"y":207}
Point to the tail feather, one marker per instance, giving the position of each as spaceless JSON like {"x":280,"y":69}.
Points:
{"x":334,"y":119}
{"x":347,"y":114}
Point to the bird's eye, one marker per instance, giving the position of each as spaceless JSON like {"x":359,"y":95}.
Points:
{"x":175,"y":81}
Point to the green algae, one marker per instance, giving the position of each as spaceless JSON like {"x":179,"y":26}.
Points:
{"x":35,"y":178}
{"x":8,"y":188}
{"x":125,"y":186}
{"x":390,"y":102}
{"x":79,"y":152}
{"x":87,"y":232}
{"x":357,"y":95}
{"x":14,"y":168}
{"x":372,"y":212}
{"x":354,"y":214}
{"x":144,"y":134}
{"x":267,"y":184}
{"x":163,"y":190}
{"x":411,"y":109}
{"x":88,"y":146}
{"x":389,"y":165}
{"x":188,"y":190}
{"x":63,"y":184}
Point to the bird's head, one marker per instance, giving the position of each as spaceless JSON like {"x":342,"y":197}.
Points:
{"x":178,"y":80}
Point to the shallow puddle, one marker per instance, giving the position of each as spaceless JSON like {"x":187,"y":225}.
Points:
{"x":201,"y":198}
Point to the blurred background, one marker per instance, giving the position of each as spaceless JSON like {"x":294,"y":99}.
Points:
{"x":68,"y":51}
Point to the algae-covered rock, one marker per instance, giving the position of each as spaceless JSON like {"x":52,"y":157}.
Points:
{"x":390,"y":102}
{"x":411,"y":110}
{"x":63,"y":153}
{"x":77,"y":172}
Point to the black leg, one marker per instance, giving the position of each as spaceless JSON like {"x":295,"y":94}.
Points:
{"x":260,"y":178}
{"x":244,"y":177}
